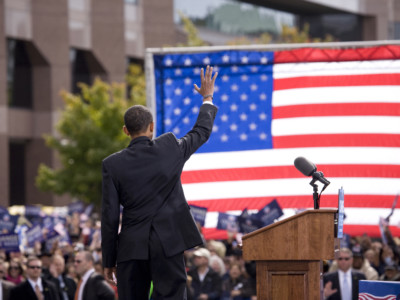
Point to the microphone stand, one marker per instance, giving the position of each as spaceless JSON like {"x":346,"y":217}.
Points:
{"x":315,"y":193}
{"x":315,"y":189}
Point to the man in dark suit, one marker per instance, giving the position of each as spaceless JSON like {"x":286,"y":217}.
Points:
{"x":343,"y":284}
{"x":66,"y":285}
{"x":156,"y":225}
{"x":6,"y":286}
{"x":35,"y":287}
{"x":92,"y":285}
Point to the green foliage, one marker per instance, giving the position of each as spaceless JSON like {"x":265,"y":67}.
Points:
{"x":89,"y":129}
{"x":193,"y":39}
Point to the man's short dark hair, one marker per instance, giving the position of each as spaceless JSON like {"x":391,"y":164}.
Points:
{"x":137,"y":118}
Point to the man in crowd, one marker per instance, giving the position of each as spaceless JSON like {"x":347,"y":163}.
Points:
{"x":343,"y":283}
{"x":5,"y":286}
{"x":157,"y":226}
{"x":206,"y":284}
{"x":35,"y":287}
{"x":92,"y":286}
{"x":66,"y":285}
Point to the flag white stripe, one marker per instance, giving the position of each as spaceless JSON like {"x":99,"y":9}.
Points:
{"x":289,"y":70}
{"x":286,"y":157}
{"x":338,"y":125}
{"x":354,"y":216}
{"x":289,"y":187}
{"x":325,"y":95}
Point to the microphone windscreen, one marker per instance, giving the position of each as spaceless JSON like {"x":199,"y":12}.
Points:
{"x":304,"y":166}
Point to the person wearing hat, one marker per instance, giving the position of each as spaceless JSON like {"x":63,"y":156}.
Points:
{"x":362,"y":265}
{"x":206,"y":284}
{"x":391,"y":274}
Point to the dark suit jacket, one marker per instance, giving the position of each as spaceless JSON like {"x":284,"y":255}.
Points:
{"x":69,"y":288}
{"x":334,"y":278}
{"x":6,"y":286}
{"x":25,"y":291}
{"x":97,"y":288}
{"x":145,"y":179}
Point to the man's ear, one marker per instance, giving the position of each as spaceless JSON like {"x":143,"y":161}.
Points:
{"x":126,"y":131}
{"x":151,"y":127}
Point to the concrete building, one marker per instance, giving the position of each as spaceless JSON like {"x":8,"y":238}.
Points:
{"x":47,"y":46}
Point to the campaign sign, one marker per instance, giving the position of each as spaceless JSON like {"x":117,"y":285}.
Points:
{"x":88,"y":209}
{"x":77,"y":206}
{"x":8,"y":223}
{"x":51,"y":238}
{"x":32,"y":211}
{"x":374,"y":290}
{"x":3,"y":210}
{"x":227,"y":222}
{"x":271,"y":212}
{"x":199,"y":214}
{"x":9,"y":242}
{"x":33,"y":235}
{"x":249,"y":224}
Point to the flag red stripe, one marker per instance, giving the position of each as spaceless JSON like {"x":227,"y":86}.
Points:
{"x":336,"y":109}
{"x":275,"y":172}
{"x":334,"y":81}
{"x":325,"y":55}
{"x":336,"y":140}
{"x":327,"y":201}
{"x":353,"y":230}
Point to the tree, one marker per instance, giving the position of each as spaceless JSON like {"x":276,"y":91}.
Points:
{"x":89,"y":129}
{"x":192,"y":33}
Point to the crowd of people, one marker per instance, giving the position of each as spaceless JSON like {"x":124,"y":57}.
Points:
{"x":214,"y":271}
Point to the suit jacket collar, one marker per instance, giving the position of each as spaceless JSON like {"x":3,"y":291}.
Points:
{"x":139,"y":139}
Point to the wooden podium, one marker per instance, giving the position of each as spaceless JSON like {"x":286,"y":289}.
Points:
{"x":288,"y":255}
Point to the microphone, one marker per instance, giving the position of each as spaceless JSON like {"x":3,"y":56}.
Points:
{"x":307,"y":168}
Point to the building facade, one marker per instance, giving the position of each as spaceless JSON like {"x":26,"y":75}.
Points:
{"x":47,"y":46}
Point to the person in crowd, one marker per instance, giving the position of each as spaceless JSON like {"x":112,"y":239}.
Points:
{"x":217,"y":264}
{"x":15,"y":273}
{"x":92,"y":285}
{"x":45,"y":257}
{"x":343,"y":283}
{"x":66,"y":285}
{"x":35,"y":287}
{"x":232,"y":287}
{"x":362,"y":265}
{"x":157,"y":226}
{"x":391,"y":274}
{"x":373,"y":258}
{"x":5,"y":286}
{"x":205,"y":282}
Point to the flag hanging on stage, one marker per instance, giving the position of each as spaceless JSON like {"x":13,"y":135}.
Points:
{"x":339,"y":108}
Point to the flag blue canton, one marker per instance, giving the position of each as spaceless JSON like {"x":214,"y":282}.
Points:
{"x":243,"y":92}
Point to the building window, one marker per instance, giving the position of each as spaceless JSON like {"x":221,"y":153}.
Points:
{"x":19,"y":75}
{"x":17,"y":173}
{"x":85,"y":68}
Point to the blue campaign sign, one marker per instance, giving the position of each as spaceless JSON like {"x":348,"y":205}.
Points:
{"x":341,"y":214}
{"x":8,"y":223}
{"x":249,"y":224}
{"x":199,"y":214}
{"x":33,"y":235}
{"x":370,"y":289}
{"x":32,"y":210}
{"x":271,"y":212}
{"x":9,"y":242}
{"x":76,"y":206}
{"x":228,"y":222}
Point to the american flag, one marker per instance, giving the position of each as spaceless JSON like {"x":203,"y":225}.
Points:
{"x":338,"y":107}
